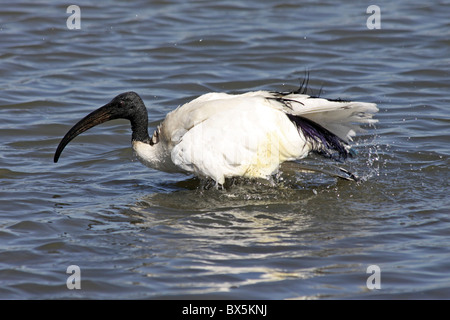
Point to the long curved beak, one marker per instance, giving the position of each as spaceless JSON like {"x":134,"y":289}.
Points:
{"x":101,"y":115}
{"x":127,"y":105}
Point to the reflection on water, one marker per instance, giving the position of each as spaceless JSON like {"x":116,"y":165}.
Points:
{"x":218,"y":236}
{"x":218,"y":242}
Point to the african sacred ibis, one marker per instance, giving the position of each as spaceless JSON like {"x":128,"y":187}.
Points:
{"x":220,"y":135}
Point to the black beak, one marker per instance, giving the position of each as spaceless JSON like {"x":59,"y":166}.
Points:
{"x":125,"y":106}
{"x":97,"y":117}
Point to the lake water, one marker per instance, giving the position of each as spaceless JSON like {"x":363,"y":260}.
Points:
{"x":136,"y":233}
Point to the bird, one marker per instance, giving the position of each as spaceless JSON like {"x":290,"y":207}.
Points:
{"x":222,"y":135}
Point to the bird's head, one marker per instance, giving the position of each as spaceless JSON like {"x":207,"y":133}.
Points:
{"x":124,"y":106}
{"x":128,"y":105}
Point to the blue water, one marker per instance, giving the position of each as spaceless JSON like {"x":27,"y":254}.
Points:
{"x":137,"y":233}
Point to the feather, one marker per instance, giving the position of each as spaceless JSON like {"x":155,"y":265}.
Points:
{"x":322,"y":141}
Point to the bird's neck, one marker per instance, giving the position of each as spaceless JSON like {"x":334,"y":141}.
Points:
{"x":139,"y":128}
{"x":156,"y":156}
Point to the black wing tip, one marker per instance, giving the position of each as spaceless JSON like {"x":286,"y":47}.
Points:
{"x":323,"y":141}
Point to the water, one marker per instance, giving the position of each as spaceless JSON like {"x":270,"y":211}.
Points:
{"x":138,"y":233}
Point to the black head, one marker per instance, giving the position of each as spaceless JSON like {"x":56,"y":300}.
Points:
{"x":126,"y":105}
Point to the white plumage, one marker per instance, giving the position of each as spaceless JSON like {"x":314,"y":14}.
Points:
{"x":220,"y":135}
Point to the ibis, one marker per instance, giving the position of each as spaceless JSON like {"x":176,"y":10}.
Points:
{"x":220,"y":135}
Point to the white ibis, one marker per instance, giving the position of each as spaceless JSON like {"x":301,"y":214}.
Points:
{"x":220,"y":135}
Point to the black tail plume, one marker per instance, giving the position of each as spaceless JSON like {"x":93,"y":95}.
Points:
{"x":323,"y":141}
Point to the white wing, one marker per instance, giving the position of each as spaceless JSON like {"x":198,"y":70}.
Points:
{"x":244,"y":136}
{"x":343,"y":118}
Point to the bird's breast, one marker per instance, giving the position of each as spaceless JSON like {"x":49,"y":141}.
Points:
{"x":156,"y":156}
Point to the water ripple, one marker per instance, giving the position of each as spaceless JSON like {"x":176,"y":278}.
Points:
{"x":138,"y":233}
